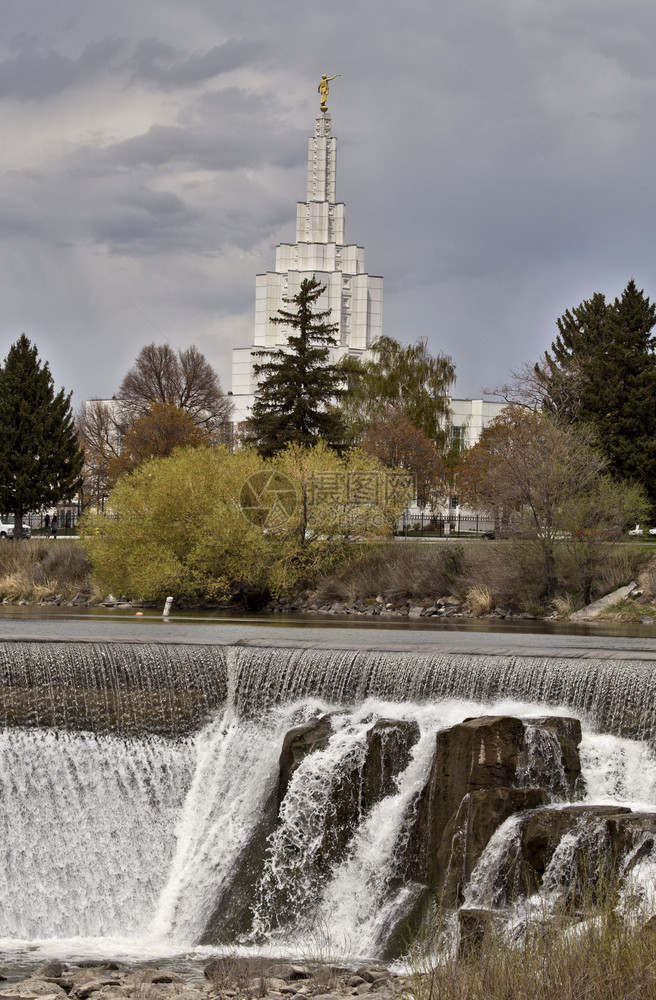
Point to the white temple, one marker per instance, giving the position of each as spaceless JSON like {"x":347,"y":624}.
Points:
{"x":354,"y":297}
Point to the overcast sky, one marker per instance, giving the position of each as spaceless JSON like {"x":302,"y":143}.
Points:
{"x":497,"y":161}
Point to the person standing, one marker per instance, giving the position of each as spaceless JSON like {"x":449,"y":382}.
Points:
{"x":53,"y":526}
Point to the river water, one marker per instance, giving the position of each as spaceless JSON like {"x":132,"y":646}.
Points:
{"x":125,"y":847}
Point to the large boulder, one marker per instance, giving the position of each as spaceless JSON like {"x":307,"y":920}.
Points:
{"x":362,"y":781}
{"x":550,"y":757}
{"x":571,"y":848}
{"x":469,"y":831}
{"x":297,"y":744}
{"x":484,"y":770}
{"x":474,"y":755}
{"x":388,"y":746}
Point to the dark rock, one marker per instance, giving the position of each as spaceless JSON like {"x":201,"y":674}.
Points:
{"x":468,"y":832}
{"x":142,"y":976}
{"x":480,"y":773}
{"x":372,"y":973}
{"x":297,"y":744}
{"x":476,"y":754}
{"x":389,"y":746}
{"x":550,"y":758}
{"x":33,"y":988}
{"x":607,"y":837}
{"x":50,"y":969}
{"x":288,"y":972}
{"x":84,"y":990}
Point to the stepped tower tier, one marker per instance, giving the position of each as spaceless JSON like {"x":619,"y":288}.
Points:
{"x":354,"y":297}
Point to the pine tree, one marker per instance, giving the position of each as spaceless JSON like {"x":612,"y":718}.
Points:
{"x":609,"y":350}
{"x":298,"y":386}
{"x":40,"y":458}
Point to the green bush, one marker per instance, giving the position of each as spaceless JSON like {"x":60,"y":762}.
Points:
{"x":207,"y":525}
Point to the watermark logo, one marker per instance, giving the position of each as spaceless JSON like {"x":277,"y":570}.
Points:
{"x":268,"y":499}
{"x":344,"y":501}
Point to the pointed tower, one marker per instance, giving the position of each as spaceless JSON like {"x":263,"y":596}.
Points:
{"x":354,"y":297}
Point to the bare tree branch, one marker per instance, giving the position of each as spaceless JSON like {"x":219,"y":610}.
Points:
{"x":186,"y":380}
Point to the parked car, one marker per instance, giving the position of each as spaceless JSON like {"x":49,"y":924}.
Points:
{"x":7,"y":529}
{"x":652,"y":531}
{"x":504,"y":531}
{"x":636,"y":531}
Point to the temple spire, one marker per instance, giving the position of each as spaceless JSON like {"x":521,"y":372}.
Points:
{"x":320,"y":219}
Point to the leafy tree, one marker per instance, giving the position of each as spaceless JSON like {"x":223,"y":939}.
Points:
{"x":186,"y":380}
{"x":341,"y":499}
{"x":594,"y":522}
{"x":394,"y":439}
{"x":547,"y":481}
{"x":298,"y":383}
{"x":155,"y":434}
{"x":157,"y":389}
{"x":407,"y":377}
{"x":205,"y":524}
{"x":604,"y":356}
{"x":40,"y":458}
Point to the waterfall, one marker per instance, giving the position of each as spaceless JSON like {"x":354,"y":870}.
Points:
{"x":125,"y":688}
{"x":138,"y":787}
{"x":171,"y":688}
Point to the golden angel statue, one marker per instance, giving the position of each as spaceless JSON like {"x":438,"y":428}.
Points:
{"x":324,"y":89}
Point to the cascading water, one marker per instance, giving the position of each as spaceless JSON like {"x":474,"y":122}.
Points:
{"x":158,"y":831}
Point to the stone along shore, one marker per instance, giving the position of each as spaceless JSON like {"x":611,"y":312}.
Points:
{"x":226,"y":978}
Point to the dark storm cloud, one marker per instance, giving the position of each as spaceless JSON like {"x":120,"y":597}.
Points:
{"x":495,"y":160}
{"x":37,"y":72}
{"x":168,"y":67}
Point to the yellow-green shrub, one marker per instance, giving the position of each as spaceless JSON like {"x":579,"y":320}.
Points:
{"x":178,"y":526}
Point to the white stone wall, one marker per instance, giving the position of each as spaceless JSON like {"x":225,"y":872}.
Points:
{"x":472,"y":416}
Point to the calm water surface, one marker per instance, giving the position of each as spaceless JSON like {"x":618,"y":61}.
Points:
{"x":105,"y":624}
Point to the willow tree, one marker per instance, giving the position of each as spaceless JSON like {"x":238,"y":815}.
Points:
{"x":406,"y":377}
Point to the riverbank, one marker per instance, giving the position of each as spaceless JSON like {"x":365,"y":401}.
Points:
{"x":227,"y":978}
{"x":487,"y":580}
{"x":607,"y":959}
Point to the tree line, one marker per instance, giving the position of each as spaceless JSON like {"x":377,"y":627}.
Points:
{"x":572,"y":458}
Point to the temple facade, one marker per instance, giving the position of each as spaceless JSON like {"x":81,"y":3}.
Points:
{"x":355,"y":298}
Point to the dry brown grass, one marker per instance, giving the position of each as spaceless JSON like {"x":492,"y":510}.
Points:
{"x":38,"y":568}
{"x":623,"y":565}
{"x":593,"y":953}
{"x":478,"y":601}
{"x":407,"y":570}
{"x":397,"y":571}
{"x":482,"y":574}
{"x":647,"y":579}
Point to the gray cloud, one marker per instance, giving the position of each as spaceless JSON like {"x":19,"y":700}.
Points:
{"x":168,"y":67}
{"x":495,"y":161}
{"x":38,"y":71}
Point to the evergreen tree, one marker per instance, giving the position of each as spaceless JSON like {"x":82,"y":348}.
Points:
{"x":608,"y":349}
{"x":293,"y":404}
{"x":40,"y":458}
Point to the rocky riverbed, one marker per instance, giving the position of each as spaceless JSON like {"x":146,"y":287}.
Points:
{"x":226,"y":978}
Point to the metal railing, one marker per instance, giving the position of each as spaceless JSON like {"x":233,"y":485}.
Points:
{"x":457,"y":525}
